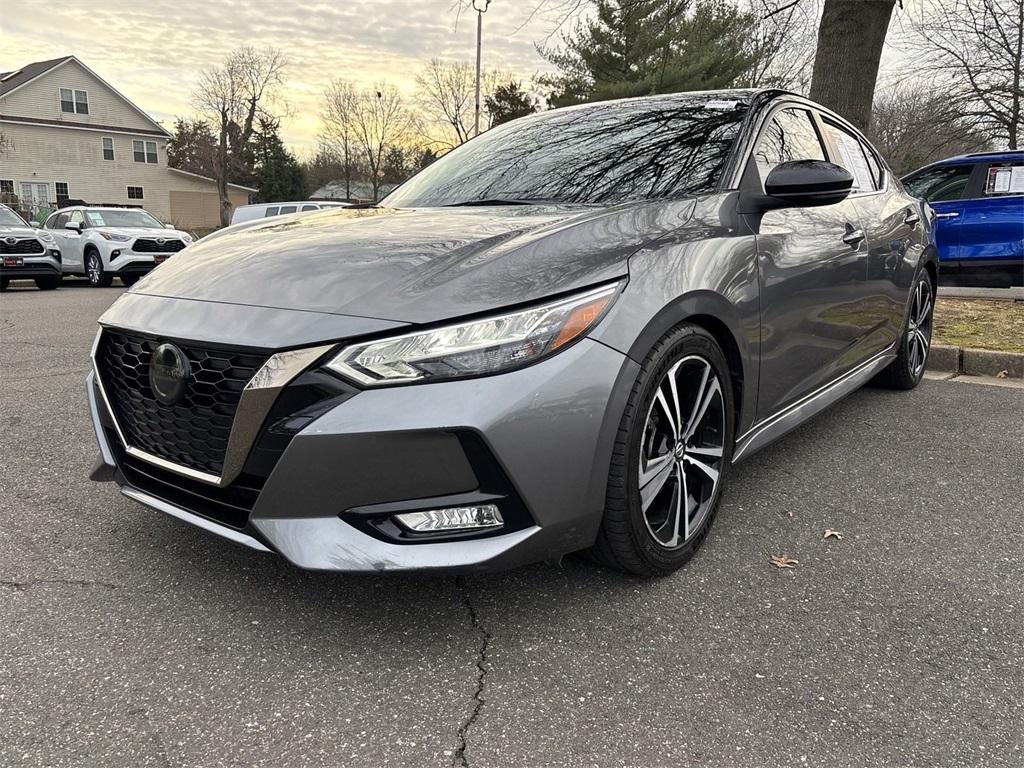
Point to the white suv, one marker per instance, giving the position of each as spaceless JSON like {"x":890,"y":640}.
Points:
{"x":27,"y":253}
{"x":104,"y":243}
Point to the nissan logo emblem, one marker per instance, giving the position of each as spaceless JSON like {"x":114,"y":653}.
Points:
{"x":169,"y":370}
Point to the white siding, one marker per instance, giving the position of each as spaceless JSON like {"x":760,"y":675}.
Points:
{"x":41,"y":99}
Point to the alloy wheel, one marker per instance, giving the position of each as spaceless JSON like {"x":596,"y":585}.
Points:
{"x":93,"y":269}
{"x":919,"y":330}
{"x":681,"y":451}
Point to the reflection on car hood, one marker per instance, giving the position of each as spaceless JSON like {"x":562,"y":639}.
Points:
{"x":414,"y":265}
{"x":16,"y":231}
{"x":150,"y":232}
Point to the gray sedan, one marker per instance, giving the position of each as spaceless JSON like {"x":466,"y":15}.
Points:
{"x":560,"y":336}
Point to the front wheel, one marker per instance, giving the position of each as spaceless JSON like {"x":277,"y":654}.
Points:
{"x":129,"y":280}
{"x":48,"y":283}
{"x":98,"y":277}
{"x":907,"y":370}
{"x":4,"y":282}
{"x":670,"y":457}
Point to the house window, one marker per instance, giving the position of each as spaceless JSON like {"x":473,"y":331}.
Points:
{"x":135,"y":193}
{"x":74,"y":101}
{"x":108,"y":148}
{"x":6,"y":186}
{"x":144,"y":151}
{"x":61,"y":188}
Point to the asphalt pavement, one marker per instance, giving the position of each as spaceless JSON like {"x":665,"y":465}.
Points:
{"x":128,"y":638}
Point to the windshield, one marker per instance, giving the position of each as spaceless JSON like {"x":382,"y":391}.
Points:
{"x":593,"y":154}
{"x":125,"y":217}
{"x":9,"y":218}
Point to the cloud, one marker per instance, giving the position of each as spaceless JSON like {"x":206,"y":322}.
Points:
{"x":154,"y":51}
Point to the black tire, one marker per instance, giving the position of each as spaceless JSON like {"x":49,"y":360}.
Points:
{"x":907,"y":370}
{"x":94,"y":272}
{"x":48,"y":283}
{"x":626,"y":539}
{"x":129,"y":280}
{"x":4,"y":282}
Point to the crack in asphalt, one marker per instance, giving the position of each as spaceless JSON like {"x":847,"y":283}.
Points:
{"x":459,"y":758}
{"x":22,"y":586}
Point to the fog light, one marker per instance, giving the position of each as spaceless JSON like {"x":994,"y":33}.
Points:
{"x":452,"y":519}
{"x":114,"y":254}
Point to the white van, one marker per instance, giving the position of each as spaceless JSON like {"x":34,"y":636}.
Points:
{"x":264,"y":210}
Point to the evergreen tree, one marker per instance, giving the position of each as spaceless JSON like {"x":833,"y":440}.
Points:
{"x":276,"y":172}
{"x":395,"y":169}
{"x":193,"y":147}
{"x":508,"y":102}
{"x":641,"y":47}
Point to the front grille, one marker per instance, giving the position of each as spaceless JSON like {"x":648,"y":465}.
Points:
{"x":28,"y":245}
{"x":193,"y":432}
{"x":152,"y":246}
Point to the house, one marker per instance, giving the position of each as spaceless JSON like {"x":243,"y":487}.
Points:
{"x":68,"y":134}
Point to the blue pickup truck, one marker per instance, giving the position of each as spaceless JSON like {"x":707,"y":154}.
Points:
{"x":978,"y":201}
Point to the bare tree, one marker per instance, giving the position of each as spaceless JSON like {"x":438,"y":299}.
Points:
{"x":782,"y":39}
{"x":381,"y":120}
{"x":445,"y":94}
{"x":232,"y":96}
{"x":341,"y":101}
{"x":974,"y":48}
{"x":850,"y":39}
{"x":913,"y":125}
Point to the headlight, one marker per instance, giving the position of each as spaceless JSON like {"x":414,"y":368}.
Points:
{"x":115,"y":237}
{"x":479,"y":347}
{"x":45,"y":236}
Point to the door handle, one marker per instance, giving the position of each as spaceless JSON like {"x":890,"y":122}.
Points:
{"x":947,"y":215}
{"x":911,"y":219}
{"x":853,"y":236}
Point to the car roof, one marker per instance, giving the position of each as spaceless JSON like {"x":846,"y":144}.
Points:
{"x":983,"y":157}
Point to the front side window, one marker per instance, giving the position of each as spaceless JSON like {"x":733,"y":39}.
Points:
{"x":599,"y":154}
{"x":271,"y":211}
{"x":287,"y":209}
{"x":790,"y":135}
{"x":310,"y":208}
{"x":61,"y":190}
{"x":946,"y":182}
{"x":144,"y":152}
{"x":58,"y":221}
{"x":108,"y":148}
{"x":75,"y":218}
{"x":852,"y":157}
{"x":1005,"y":179}
{"x":135,"y":193}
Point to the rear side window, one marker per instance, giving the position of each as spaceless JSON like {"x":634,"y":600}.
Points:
{"x":789,"y":135}
{"x":310,"y":208}
{"x":1005,"y":179}
{"x":852,"y":157}
{"x":287,"y":209}
{"x":271,"y":211}
{"x":946,"y":182}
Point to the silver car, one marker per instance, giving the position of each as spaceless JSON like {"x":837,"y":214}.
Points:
{"x":562,"y":335}
{"x":101,"y":243}
{"x":27,"y":253}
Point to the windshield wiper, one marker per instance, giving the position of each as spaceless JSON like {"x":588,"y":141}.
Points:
{"x":495,"y":201}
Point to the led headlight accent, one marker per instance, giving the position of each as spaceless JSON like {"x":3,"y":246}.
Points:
{"x":45,"y":236}
{"x":452,"y":519}
{"x":478,"y":347}
{"x":114,"y":236}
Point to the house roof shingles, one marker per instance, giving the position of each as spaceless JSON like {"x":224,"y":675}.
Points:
{"x":28,"y":72}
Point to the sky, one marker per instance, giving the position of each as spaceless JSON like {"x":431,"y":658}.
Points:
{"x":153,"y":50}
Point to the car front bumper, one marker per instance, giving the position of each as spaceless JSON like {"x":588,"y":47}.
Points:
{"x":31,"y":267}
{"x":547,"y":431}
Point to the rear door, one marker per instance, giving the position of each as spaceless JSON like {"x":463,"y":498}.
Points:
{"x":812,"y":264}
{"x":992,"y":220}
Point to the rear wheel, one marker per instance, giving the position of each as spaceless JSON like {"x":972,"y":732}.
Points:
{"x":94,"y":271}
{"x":48,"y":283}
{"x":907,"y":370}
{"x":673,"y":447}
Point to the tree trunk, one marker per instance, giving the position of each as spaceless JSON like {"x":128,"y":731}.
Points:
{"x":850,"y":39}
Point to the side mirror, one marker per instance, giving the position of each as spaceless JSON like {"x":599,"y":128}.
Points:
{"x":807,"y":183}
{"x":168,"y":226}
{"x":73,"y":227}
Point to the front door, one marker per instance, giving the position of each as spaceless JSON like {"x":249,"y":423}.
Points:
{"x":812,"y":265}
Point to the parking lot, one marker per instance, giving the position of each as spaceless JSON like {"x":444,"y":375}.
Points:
{"x":129,"y":638}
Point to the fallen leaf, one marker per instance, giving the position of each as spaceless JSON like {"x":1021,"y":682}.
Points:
{"x":830,"y":534}
{"x":783,"y":561}
{"x":1002,"y":374}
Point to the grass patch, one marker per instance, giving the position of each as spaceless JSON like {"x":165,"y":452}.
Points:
{"x":980,"y":324}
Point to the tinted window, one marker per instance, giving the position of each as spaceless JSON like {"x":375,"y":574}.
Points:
{"x":852,"y":157}
{"x":1005,"y":179}
{"x":58,"y":221}
{"x":272,"y":211}
{"x":593,"y":154}
{"x":287,"y":209}
{"x":310,"y":208}
{"x":789,"y":135}
{"x":947,"y":182}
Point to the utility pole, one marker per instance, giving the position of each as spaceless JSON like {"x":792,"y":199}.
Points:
{"x":479,"y":32}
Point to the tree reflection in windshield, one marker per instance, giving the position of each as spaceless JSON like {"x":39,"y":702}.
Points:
{"x":636,"y":149}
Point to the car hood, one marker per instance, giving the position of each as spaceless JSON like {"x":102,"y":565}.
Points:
{"x":413,"y":265}
{"x":17,"y":232}
{"x":151,"y":232}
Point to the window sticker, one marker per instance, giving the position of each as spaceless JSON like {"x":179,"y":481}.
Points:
{"x":1005,"y":180}
{"x":853,"y":160}
{"x":1017,"y":180}
{"x":95,"y":219}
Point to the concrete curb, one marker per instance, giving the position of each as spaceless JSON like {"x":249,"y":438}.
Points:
{"x":975,"y":362}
